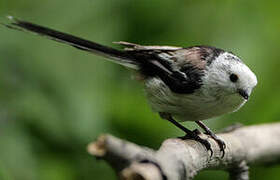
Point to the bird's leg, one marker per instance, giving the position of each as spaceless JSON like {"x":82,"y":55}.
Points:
{"x":189,"y":134}
{"x":208,"y":131}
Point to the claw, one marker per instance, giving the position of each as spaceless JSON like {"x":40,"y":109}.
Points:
{"x":205,"y":143}
{"x":195,"y":137}
{"x":219,"y":141}
{"x":221,"y":144}
{"x":189,"y":134}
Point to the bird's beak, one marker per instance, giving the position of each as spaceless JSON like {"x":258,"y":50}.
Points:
{"x":243,"y":93}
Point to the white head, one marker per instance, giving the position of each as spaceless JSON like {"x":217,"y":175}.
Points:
{"x":228,"y":75}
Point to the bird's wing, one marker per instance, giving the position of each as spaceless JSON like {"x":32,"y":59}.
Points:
{"x":197,"y":56}
{"x":183,"y":67}
{"x":137,"y":47}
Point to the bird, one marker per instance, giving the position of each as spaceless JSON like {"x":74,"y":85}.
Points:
{"x":181,"y":83}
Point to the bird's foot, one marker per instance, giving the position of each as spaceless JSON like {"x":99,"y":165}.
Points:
{"x":190,"y":134}
{"x":195,"y":136}
{"x":219,"y":141}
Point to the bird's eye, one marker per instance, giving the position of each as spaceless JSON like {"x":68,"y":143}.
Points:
{"x":233,"y":78}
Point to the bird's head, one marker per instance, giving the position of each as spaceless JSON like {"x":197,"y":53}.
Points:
{"x":227,"y":75}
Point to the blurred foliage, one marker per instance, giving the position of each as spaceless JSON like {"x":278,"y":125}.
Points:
{"x":55,"y":99}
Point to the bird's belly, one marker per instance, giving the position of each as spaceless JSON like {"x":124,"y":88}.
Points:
{"x":206,"y":110}
{"x":189,"y":107}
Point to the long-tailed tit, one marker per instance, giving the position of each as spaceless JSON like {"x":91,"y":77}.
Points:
{"x":187,"y":84}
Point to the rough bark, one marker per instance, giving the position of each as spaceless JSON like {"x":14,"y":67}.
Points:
{"x":179,"y":159}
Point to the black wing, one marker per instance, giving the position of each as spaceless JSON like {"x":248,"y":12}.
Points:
{"x":180,"y":69}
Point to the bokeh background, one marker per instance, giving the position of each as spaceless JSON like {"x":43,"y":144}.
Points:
{"x":55,"y":99}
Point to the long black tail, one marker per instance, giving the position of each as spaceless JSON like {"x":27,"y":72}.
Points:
{"x":120,"y":57}
{"x":150,"y":66}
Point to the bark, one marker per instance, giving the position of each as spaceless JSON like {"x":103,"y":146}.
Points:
{"x":178,"y":159}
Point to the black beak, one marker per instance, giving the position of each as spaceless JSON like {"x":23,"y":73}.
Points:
{"x":243,"y":93}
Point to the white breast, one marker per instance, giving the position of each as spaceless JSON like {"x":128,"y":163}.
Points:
{"x":189,"y":107}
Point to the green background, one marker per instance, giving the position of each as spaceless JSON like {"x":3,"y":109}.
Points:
{"x":54,"y":99}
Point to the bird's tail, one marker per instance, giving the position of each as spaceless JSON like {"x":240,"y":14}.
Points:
{"x":117,"y":56}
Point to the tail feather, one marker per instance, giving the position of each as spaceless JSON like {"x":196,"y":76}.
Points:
{"x":148,"y":64}
{"x":120,"y":57}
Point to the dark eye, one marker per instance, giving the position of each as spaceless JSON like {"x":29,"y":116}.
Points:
{"x":233,"y":78}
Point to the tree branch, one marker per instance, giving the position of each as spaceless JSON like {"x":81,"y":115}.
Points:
{"x":182,"y":159}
